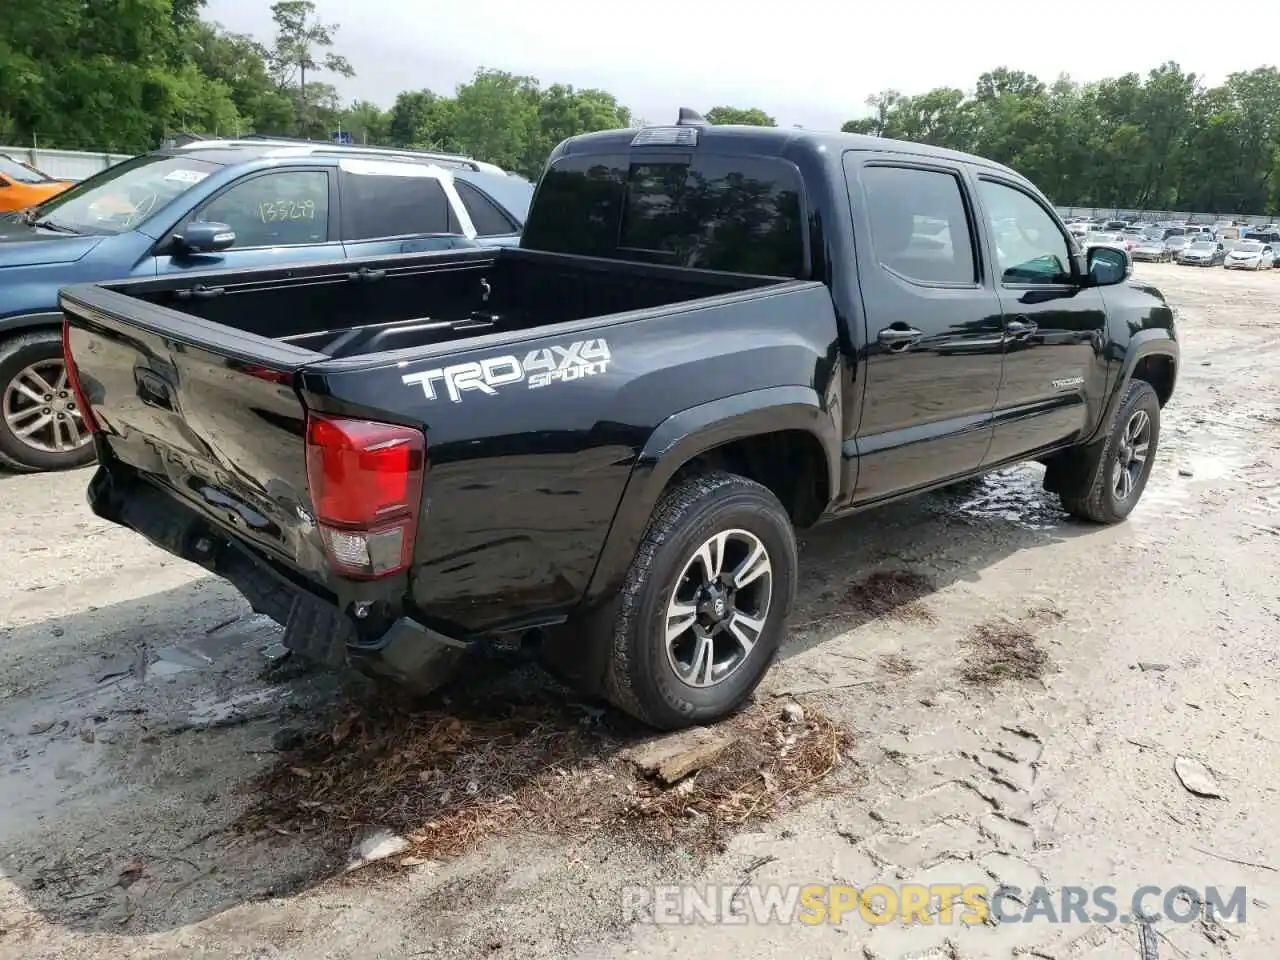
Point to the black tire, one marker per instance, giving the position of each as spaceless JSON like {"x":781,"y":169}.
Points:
{"x":640,"y":677}
{"x":1088,"y":484}
{"x":17,"y":354}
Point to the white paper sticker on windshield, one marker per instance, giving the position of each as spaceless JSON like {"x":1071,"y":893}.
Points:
{"x":186,"y":176}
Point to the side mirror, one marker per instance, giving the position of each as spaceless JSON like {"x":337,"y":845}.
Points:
{"x":1108,"y":266}
{"x":204,"y":236}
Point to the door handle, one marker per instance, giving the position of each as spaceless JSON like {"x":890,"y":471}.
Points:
{"x":1020,"y":326}
{"x":897,"y":336}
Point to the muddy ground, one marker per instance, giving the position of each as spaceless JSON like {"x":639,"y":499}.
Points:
{"x":1016,"y":706}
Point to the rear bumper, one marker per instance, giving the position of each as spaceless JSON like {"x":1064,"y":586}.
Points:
{"x":386,"y":643}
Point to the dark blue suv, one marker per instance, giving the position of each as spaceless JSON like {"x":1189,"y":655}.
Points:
{"x":217,"y":204}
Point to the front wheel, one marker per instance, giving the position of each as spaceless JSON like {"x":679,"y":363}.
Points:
{"x":40,"y":425}
{"x":1104,"y":481}
{"x":704,"y":606}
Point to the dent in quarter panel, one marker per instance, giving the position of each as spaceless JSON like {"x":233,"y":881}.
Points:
{"x":523,"y":485}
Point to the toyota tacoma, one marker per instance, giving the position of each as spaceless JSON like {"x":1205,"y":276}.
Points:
{"x":605,"y":437}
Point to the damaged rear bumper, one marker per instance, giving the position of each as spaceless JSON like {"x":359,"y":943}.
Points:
{"x":384,"y":644}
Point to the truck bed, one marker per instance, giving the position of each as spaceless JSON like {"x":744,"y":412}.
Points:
{"x":410,"y":301}
{"x":202,"y":387}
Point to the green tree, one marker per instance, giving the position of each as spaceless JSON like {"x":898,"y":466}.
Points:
{"x":495,"y":117}
{"x":749,"y":116}
{"x":301,"y":48}
{"x":1161,"y":141}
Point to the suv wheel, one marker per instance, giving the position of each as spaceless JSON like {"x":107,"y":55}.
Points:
{"x":1103,"y":482}
{"x":40,"y":427}
{"x":705,"y":603}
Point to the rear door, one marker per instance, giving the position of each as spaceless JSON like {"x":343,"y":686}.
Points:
{"x":278,"y":216}
{"x":933,"y":325}
{"x":1053,"y":326}
{"x":391,"y":206}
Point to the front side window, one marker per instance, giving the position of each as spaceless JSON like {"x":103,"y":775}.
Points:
{"x":285,"y":209}
{"x":919,"y":227}
{"x":1029,"y":246}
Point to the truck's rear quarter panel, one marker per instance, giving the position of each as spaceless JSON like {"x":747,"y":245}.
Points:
{"x":523,"y":483}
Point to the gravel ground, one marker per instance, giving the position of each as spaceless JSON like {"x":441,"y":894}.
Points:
{"x":1004,"y":729}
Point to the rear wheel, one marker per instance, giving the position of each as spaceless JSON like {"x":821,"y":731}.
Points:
{"x":704,"y":606}
{"x":40,"y":425}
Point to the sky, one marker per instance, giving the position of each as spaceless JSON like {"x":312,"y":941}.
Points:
{"x":813,"y":65}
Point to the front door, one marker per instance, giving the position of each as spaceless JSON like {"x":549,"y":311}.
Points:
{"x":279,"y":217}
{"x":1055,"y":374}
{"x":933,"y":327}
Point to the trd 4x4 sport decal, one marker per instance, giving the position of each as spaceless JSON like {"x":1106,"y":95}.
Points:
{"x":539,"y":368}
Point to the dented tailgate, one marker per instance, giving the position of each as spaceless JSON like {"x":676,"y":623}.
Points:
{"x":206,"y":411}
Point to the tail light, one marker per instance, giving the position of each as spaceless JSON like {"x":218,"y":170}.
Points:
{"x":73,"y":378}
{"x":365,"y":480}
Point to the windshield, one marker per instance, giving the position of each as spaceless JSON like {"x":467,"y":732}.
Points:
{"x":514,"y":194}
{"x":20,"y":172}
{"x":1248,"y":247}
{"x":1203,"y":245}
{"x":121,"y":197}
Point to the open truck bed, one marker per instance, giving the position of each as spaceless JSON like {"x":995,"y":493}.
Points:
{"x":408,"y":301}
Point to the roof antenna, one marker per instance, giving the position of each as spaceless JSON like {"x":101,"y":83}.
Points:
{"x":690,"y":118}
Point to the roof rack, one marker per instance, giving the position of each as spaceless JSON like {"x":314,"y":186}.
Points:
{"x":343,"y":149}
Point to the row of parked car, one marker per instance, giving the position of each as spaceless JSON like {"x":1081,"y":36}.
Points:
{"x":1233,"y":246}
{"x":214,"y":204}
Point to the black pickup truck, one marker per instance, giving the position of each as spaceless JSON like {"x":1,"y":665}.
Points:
{"x":605,"y":438}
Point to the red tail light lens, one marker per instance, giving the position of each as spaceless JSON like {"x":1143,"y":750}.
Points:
{"x":365,"y":480}
{"x":73,"y":378}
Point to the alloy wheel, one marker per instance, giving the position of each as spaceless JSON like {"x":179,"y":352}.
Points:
{"x":1131,"y":458}
{"x":718,"y":608}
{"x":40,"y":409}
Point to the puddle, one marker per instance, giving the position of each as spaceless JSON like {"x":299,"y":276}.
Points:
{"x":1014,"y":496}
{"x":211,"y":712}
{"x":230,"y":640}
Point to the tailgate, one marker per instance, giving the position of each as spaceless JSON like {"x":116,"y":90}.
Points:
{"x":208,"y":412}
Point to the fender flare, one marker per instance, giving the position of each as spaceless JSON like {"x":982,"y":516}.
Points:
{"x":51,"y":319}
{"x":691,"y":432}
{"x":1153,"y":341}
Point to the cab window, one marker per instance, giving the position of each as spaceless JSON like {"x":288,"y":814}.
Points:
{"x":731,"y":213}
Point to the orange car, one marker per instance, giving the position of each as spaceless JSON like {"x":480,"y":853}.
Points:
{"x":22,"y":186}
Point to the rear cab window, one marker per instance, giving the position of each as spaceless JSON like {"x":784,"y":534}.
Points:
{"x":732,"y":213}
